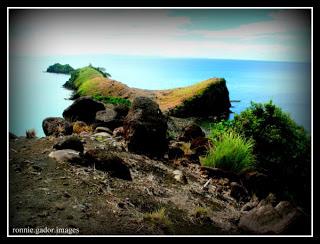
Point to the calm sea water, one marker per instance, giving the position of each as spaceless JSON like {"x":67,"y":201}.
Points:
{"x":35,"y":94}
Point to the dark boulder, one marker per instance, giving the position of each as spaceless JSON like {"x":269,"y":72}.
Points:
{"x":219,"y":173}
{"x":83,"y":109}
{"x":112,"y":117}
{"x":56,"y":126}
{"x":72,"y":142}
{"x":108,"y":161}
{"x":107,"y":118}
{"x":175,"y":152}
{"x":258,"y":183}
{"x":200,"y":145}
{"x":238,"y":192}
{"x":191,"y":132}
{"x":145,"y":128}
{"x":121,"y":110}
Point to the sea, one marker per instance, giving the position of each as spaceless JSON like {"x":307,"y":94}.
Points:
{"x":35,"y":94}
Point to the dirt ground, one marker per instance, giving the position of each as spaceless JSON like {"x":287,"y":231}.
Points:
{"x":73,"y":199}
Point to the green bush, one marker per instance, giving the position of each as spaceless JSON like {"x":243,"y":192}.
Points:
{"x":231,"y":152}
{"x":282,"y":148}
{"x":219,"y":128}
{"x":112,"y":100}
{"x":279,"y":141}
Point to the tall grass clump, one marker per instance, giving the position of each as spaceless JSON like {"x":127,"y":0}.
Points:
{"x":231,"y":152}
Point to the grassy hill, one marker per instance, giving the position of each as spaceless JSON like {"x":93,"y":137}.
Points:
{"x":88,"y":81}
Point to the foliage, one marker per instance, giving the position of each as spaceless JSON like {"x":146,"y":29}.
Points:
{"x":112,"y":100}
{"x":231,"y":152}
{"x":279,"y":141}
{"x":282,"y":148}
{"x":60,"y":68}
{"x":219,"y":128}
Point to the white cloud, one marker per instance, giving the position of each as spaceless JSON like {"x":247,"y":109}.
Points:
{"x":135,"y":32}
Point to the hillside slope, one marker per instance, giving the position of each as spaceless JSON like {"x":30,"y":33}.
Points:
{"x":205,"y":98}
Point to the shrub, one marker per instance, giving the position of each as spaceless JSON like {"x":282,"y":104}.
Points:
{"x":218,"y":129}
{"x":231,"y":152}
{"x":31,"y":133}
{"x":112,"y":100}
{"x":282,"y":147}
{"x":279,"y":141}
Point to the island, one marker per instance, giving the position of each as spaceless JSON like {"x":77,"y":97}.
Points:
{"x":60,"y":68}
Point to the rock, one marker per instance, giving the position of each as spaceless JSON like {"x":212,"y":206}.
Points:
{"x":248,"y":206}
{"x":101,"y":136}
{"x":108,"y":161}
{"x":191,"y":132}
{"x":83,"y":109}
{"x":200,"y":145}
{"x":219,"y":173}
{"x":145,"y":128}
{"x":175,"y":152}
{"x":266,"y":219}
{"x":258,"y":183}
{"x":179,"y":176}
{"x":238,"y":192}
{"x":270,"y":199}
{"x":72,"y":142}
{"x":107,"y":118}
{"x":66,"y":155}
{"x":56,"y":126}
{"x":118,"y":131}
{"x":12,"y":136}
{"x":121,"y":110}
{"x":103,"y":129}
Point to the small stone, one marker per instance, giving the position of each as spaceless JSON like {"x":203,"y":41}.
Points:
{"x":66,"y":194}
{"x":180,"y":177}
{"x":103,"y":129}
{"x":59,"y":206}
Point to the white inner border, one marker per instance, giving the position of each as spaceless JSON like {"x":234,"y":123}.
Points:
{"x":8,"y":63}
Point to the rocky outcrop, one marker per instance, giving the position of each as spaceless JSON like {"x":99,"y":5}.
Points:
{"x":56,"y":126}
{"x":83,"y":109}
{"x":112,"y":118}
{"x":108,"y":161}
{"x":212,"y":101}
{"x":145,"y":128}
{"x":72,"y":142}
{"x":266,"y":219}
{"x":191,"y":132}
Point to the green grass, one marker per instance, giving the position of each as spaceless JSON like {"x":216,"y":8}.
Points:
{"x":231,"y":152}
{"x":112,"y":100}
{"x":85,"y":74}
{"x":159,"y":218}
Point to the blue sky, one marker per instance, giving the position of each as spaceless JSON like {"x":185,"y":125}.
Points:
{"x":253,"y":34}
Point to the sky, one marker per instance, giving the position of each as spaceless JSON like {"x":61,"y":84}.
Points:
{"x":246,"y":34}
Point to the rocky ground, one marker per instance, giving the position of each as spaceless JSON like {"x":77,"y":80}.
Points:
{"x":101,"y":182}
